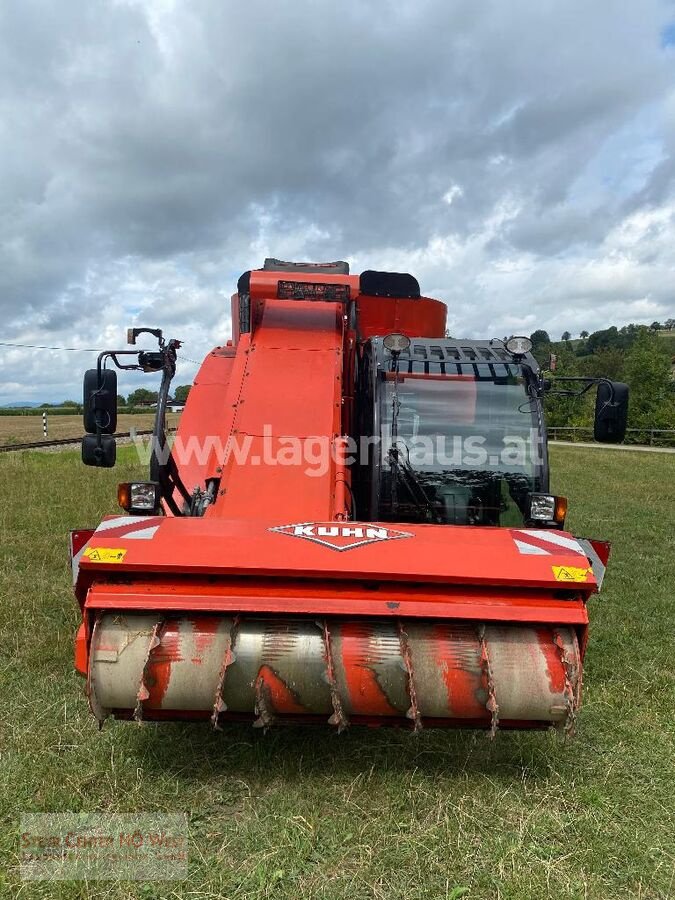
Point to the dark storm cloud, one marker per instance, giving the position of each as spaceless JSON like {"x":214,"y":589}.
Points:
{"x":152,"y":150}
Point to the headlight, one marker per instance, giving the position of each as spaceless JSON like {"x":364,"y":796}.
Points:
{"x":396,"y":343}
{"x":138,"y":496}
{"x":548,"y":508}
{"x":519,"y":346}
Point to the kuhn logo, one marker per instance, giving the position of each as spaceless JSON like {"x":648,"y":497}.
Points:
{"x":341,"y":536}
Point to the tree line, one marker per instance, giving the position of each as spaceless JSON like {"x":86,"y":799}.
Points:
{"x":141,"y":397}
{"x":144,"y":397}
{"x":639,"y":355}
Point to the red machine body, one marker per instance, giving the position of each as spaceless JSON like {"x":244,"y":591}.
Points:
{"x":277,"y":603}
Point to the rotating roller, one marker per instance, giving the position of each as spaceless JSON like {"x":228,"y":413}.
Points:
{"x":343,"y":670}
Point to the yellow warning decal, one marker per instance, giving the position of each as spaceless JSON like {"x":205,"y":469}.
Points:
{"x":104,"y":554}
{"x":570,"y":573}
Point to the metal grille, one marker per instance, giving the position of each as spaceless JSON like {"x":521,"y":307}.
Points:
{"x":482,"y":359}
{"x":458,"y":351}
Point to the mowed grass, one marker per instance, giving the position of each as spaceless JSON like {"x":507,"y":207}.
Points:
{"x":22,"y":429}
{"x":369,"y":813}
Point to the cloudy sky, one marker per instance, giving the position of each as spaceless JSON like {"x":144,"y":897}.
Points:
{"x":518,"y":158}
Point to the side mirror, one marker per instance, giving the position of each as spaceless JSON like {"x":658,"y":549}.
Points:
{"x":102,"y":456}
{"x":611,"y":412}
{"x":100,"y":402}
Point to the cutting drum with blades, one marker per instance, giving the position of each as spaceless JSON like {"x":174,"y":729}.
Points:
{"x":352,"y":525}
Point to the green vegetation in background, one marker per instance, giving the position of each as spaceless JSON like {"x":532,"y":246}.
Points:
{"x":636,"y":354}
{"x":138,"y":401}
{"x":305,"y":813}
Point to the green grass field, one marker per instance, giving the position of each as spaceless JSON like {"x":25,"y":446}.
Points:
{"x":369,"y":813}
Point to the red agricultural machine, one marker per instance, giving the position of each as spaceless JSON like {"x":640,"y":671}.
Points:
{"x":353,"y":523}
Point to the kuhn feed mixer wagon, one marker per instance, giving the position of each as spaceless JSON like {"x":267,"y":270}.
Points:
{"x":352,"y":525}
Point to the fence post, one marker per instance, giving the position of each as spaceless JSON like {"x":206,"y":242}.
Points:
{"x":45,"y":429}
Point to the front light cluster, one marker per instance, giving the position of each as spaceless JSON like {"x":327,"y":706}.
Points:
{"x":548,"y":509}
{"x":140,"y":497}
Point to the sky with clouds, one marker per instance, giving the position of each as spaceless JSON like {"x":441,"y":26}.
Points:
{"x":518,"y":158}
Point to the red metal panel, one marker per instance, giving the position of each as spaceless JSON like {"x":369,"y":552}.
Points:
{"x":290,"y":386}
{"x":427,"y":553}
{"x":81,"y":650}
{"x":422,"y":317}
{"x":341,"y":599}
{"x":205,"y":416}
{"x":299,"y":325}
{"x":264,"y":284}
{"x":263,"y":478}
{"x":234,"y":306}
{"x":602,"y":548}
{"x":281,"y":390}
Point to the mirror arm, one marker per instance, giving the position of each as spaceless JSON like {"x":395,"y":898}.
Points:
{"x":588,"y":383}
{"x":113,"y":354}
{"x":159,"y":430}
{"x":160,"y":470}
{"x":164,"y":472}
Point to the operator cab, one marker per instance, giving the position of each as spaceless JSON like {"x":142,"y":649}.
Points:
{"x":458,"y":430}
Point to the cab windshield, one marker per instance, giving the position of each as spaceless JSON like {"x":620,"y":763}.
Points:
{"x":458,"y":447}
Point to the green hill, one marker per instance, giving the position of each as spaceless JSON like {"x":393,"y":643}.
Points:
{"x":638,"y":355}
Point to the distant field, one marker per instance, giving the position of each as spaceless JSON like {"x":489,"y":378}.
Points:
{"x":371,"y":813}
{"x":669,"y":337}
{"x":21,"y":429}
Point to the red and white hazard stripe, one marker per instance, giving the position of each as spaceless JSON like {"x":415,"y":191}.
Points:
{"x":540,"y":542}
{"x":137,"y":528}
